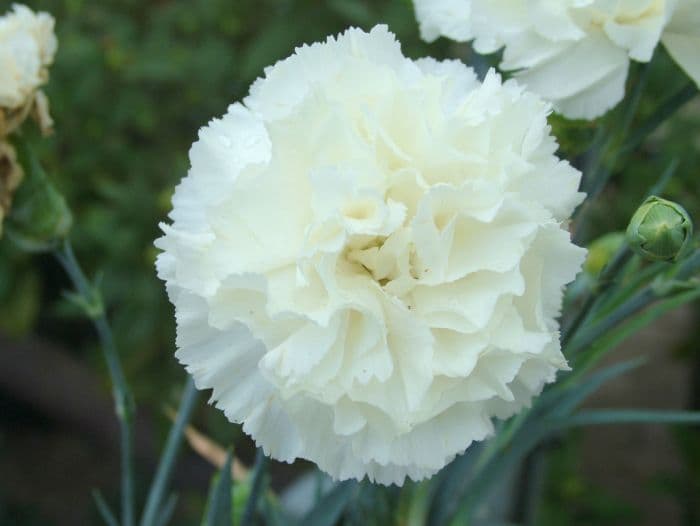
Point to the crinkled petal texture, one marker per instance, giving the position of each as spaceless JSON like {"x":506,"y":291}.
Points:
{"x":367,"y":257}
{"x":682,"y":37}
{"x":27,"y":48}
{"x":574,"y":53}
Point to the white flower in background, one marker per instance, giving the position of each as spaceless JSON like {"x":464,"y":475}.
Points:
{"x":367,"y":257}
{"x":575,"y":53}
{"x":27,"y":49}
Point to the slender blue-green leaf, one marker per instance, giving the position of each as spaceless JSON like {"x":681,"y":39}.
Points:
{"x":332,"y":506}
{"x":529,"y":436}
{"x":451,"y":483}
{"x":414,"y":503}
{"x":559,"y":402}
{"x":666,"y":176}
{"x":503,"y":437}
{"x":123,"y":399}
{"x":167,"y":459}
{"x":168,"y":510}
{"x":480,"y":465}
{"x":584,"y":362}
{"x":638,"y":275}
{"x":591,"y":332}
{"x":219,"y":508}
{"x":563,"y":398}
{"x":103,"y":508}
{"x":599,"y":298}
{"x":256,"y":488}
{"x":594,"y":155}
{"x":605,"y":281}
{"x":628,"y":416}
{"x":570,"y":396}
{"x":663,"y":112}
{"x":688,"y":267}
{"x":318,"y":484}
{"x":273,"y":513}
{"x":596,"y":172}
{"x":462,"y":476}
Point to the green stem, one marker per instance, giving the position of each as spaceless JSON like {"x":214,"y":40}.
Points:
{"x":256,"y":488}
{"x":591,"y":333}
{"x":124,"y":403}
{"x":495,"y":468}
{"x":168,"y":511}
{"x":596,"y":175}
{"x":602,"y":292}
{"x":166,"y":464}
{"x":611,"y":147}
{"x":508,"y":453}
{"x":665,"y":178}
{"x":663,"y":112}
{"x":598,"y":171}
{"x":595,"y":417}
{"x":605,"y":281}
{"x":636,"y":303}
{"x":594,"y":155}
{"x":501,"y":440}
{"x":102,"y":507}
{"x":689,"y":266}
{"x":531,"y":430}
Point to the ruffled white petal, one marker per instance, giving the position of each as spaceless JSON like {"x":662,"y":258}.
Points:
{"x":449,"y":18}
{"x":584,"y":80}
{"x":27,"y":48}
{"x":366,"y":257}
{"x":682,"y":37}
{"x":574,"y":53}
{"x":637,"y":26}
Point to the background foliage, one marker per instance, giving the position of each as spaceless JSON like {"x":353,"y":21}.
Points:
{"x":132,"y":83}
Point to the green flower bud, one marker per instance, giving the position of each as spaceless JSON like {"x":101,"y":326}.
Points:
{"x":660,"y":230}
{"x":601,"y":251}
{"x":40,"y":217}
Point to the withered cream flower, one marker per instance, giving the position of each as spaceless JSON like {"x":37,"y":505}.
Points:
{"x":575,"y":53}
{"x":11,"y":175}
{"x":27,"y":49}
{"x":367,"y":257}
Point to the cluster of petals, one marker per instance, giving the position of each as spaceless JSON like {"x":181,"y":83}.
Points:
{"x":27,"y":48}
{"x":367,"y":257}
{"x":574,"y":53}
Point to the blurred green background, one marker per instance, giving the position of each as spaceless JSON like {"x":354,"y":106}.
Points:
{"x":132,"y":83}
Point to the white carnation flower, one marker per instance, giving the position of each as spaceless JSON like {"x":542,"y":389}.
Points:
{"x":27,"y":48}
{"x":575,"y":53}
{"x":367,"y":257}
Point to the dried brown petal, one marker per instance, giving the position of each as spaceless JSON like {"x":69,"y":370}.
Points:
{"x":11,"y":175}
{"x":41,"y":113}
{"x":12,"y":118}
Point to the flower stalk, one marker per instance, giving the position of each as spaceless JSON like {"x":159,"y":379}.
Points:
{"x":123,"y":399}
{"x":606,"y":153}
{"x":167,"y":461}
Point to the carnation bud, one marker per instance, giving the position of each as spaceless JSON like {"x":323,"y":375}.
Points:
{"x":40,"y":216}
{"x":660,"y":230}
